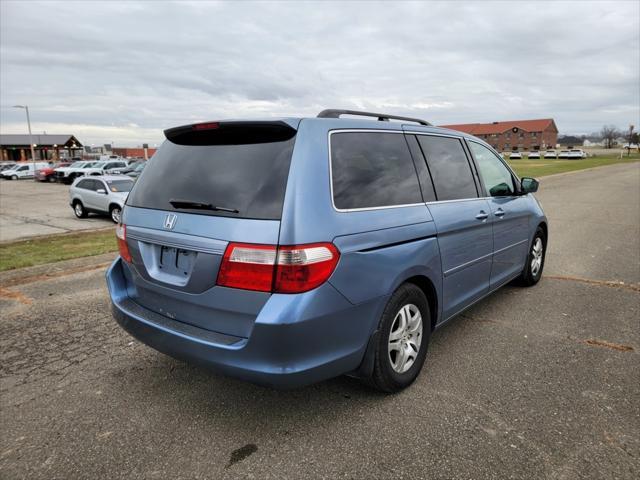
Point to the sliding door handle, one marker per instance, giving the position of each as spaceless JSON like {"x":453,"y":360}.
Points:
{"x":499,"y":213}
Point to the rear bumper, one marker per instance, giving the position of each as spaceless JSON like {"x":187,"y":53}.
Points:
{"x":296,"y":340}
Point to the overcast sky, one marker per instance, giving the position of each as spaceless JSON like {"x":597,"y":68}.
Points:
{"x":123,"y":72}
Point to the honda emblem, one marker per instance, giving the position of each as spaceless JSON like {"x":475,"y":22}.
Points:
{"x":170,"y":221}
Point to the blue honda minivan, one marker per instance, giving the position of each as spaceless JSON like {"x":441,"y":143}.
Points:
{"x":285,"y":252}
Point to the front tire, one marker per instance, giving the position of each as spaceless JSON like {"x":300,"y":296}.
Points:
{"x":79,"y":210}
{"x":405,"y":328}
{"x":535,"y":260}
{"x":14,"y":177}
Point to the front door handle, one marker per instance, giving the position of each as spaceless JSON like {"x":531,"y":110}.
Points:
{"x":482,"y":215}
{"x":499,"y":213}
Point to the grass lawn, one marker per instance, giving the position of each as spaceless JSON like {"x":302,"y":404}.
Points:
{"x":542,"y":167}
{"x":26,"y":253}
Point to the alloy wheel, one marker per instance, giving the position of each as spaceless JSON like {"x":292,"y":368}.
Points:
{"x":536,"y":256}
{"x":405,"y":338}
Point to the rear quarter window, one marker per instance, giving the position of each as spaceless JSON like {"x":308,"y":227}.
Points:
{"x":371,"y":170}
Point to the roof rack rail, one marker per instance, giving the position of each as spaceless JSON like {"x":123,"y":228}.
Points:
{"x":382,"y":117}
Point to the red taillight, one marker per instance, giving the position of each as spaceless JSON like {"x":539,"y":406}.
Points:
{"x":206,"y":126}
{"x":304,"y":267}
{"x":247,"y":266}
{"x":286,"y":269}
{"x":121,"y":236}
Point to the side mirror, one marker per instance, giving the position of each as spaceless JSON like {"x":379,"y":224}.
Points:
{"x":529,"y":185}
{"x":101,"y":191}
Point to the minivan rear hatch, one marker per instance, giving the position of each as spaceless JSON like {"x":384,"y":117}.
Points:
{"x":207,"y":185}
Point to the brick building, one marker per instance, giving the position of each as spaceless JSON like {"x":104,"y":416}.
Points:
{"x":133,"y":152}
{"x":514,"y":135}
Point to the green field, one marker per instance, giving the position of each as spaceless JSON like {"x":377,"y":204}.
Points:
{"x":542,"y":167}
{"x":27,"y":253}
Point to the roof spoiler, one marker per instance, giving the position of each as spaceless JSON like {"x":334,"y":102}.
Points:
{"x":382,"y":117}
{"x":230,"y":133}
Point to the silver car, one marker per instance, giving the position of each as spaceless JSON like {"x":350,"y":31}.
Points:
{"x":100,"y":194}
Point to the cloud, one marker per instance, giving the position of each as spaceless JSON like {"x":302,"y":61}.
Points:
{"x":124,"y":71}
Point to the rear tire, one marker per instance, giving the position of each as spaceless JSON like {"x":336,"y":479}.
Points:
{"x":79,"y":210}
{"x":116,"y":213}
{"x":405,"y":328}
{"x":535,"y":260}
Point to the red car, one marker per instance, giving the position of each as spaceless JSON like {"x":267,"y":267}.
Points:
{"x":46,"y":174}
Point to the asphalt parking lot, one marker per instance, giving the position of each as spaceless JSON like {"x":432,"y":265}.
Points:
{"x":530,"y":383}
{"x":29,"y":209}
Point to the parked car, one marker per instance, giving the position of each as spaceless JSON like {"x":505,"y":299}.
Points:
{"x":286,"y":266}
{"x":105,"y":168}
{"x":575,"y":154}
{"x":7,"y":165}
{"x":128,"y":169}
{"x":563,"y":154}
{"x":22,"y":170}
{"x":515,"y":156}
{"x":535,"y":155}
{"x":550,"y":154}
{"x":47,"y":174}
{"x":104,"y":194}
{"x":69,"y":174}
{"x":135,"y":173}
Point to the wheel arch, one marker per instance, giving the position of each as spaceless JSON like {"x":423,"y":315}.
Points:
{"x":425,"y":284}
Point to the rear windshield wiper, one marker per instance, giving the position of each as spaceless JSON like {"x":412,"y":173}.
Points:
{"x":200,"y":206}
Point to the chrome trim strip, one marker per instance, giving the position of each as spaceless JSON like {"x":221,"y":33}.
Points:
{"x":176,"y":240}
{"x":511,"y":246}
{"x":448,"y":135}
{"x":479,"y":259}
{"x":467,"y":264}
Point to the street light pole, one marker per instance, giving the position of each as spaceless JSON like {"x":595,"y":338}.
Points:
{"x":33,"y":152}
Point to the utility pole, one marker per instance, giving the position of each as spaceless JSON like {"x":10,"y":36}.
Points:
{"x":33,"y":152}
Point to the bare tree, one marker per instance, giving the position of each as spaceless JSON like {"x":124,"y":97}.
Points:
{"x":609,"y":133}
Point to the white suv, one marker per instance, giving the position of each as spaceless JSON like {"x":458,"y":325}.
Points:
{"x":105,"y":194}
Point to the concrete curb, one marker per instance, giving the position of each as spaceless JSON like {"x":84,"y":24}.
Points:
{"x":24,"y":275}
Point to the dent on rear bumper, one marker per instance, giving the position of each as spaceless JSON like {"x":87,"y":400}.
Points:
{"x":296,"y":339}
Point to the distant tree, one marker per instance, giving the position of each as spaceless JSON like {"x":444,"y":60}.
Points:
{"x":635,"y":138}
{"x":609,"y":134}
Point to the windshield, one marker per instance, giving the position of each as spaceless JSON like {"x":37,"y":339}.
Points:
{"x":98,"y":164}
{"x":139,"y":167}
{"x":120,"y":185}
{"x":248,"y":179}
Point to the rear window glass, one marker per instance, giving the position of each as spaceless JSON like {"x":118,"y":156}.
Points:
{"x":120,"y":185}
{"x":449,"y":167}
{"x":248,"y":178}
{"x":372,"y":170}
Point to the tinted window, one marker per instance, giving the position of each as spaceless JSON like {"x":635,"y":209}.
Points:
{"x":250,"y":178}
{"x":449,"y":167}
{"x":372,"y":170}
{"x":496,"y":177}
{"x":85,"y":184}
